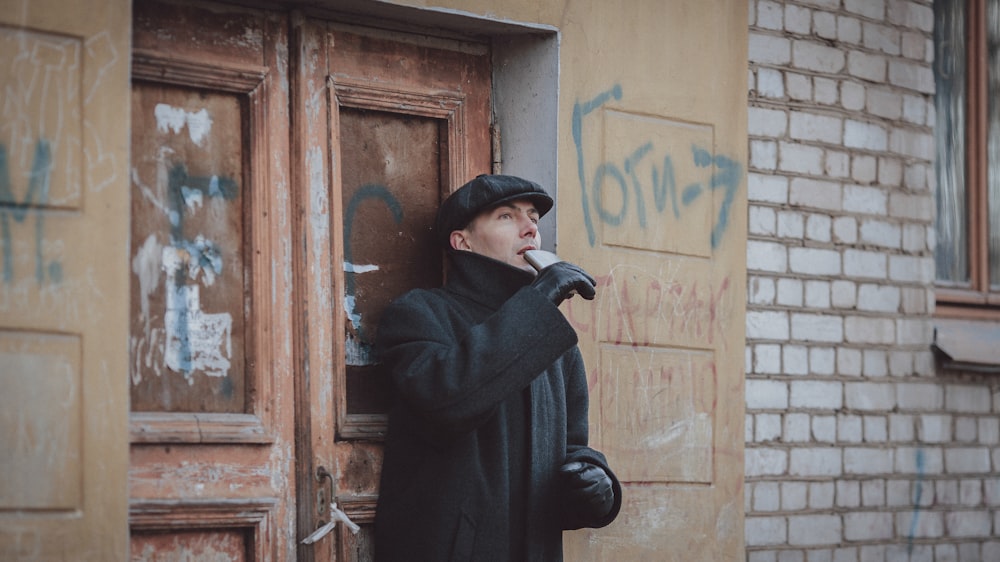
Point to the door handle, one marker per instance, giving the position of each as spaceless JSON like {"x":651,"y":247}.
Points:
{"x":335,"y":514}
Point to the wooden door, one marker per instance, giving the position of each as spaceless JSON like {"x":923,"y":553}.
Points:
{"x":211,"y":377}
{"x":63,"y":233}
{"x":409,"y":121}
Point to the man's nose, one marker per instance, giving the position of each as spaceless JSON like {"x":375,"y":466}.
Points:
{"x":530,"y":228}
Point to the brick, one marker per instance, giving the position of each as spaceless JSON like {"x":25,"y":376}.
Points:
{"x":816,"y":395}
{"x":790,"y":225}
{"x":917,"y":207}
{"x":916,"y":299}
{"x":914,"y":331}
{"x":816,"y":194}
{"x":965,"y":429}
{"x":800,"y":159}
{"x":817,"y":327}
{"x":914,"y":108}
{"x":874,"y":363}
{"x":766,"y":496}
{"x":798,"y":86}
{"x":869,"y":396}
{"x":816,"y":57}
{"x":868,"y":526}
{"x":867,"y":461}
{"x":876,"y":429}
{"x":878,"y":298}
{"x":762,"y":221}
{"x":770,"y":83}
{"x":825,"y":24}
{"x":818,"y":228}
{"x":766,"y":395}
{"x":845,"y":230}
{"x":869,"y":331}
{"x":961,"y":524}
{"x":767,"y":325}
{"x":837,"y":164}
{"x":767,"y":188}
{"x":914,"y":238}
{"x":795,"y":359}
{"x":970,"y":492}
{"x":920,"y":460}
{"x":848,"y":361}
{"x":766,"y":256}
{"x":863,"y":168}
{"x":880,"y":38}
{"x":911,"y":75}
{"x":821,"y":495}
{"x":863,"y":199}
{"x":916,"y":144}
{"x":868,"y":136}
{"x":809,"y":530}
{"x":900,"y":363}
{"x":766,"y":122}
{"x":824,"y":429}
{"x":881,"y":233}
{"x":867,"y":66}
{"x":873,"y":493}
{"x":814,"y":261}
{"x":913,"y":45}
{"x":925,"y":525}
{"x":912,"y":15}
{"x":885,"y":103}
{"x":989,"y":431}
{"x":848,"y":30}
{"x":967,"y":399}
{"x":770,"y":15}
{"x":843,"y":294}
{"x":763,"y":155}
{"x":794,"y":496}
{"x":901,"y":427}
{"x":797,"y":19}
{"x":797,"y":428}
{"x":765,"y":531}
{"x":890,"y":171}
{"x":920,"y":396}
{"x":825,"y":90}
{"x":822,"y":361}
{"x":907,"y":269}
{"x":932,"y":428}
{"x":848,"y":493}
{"x":861,"y":263}
{"x":761,"y":461}
{"x":815,"y":461}
{"x":852,"y":96}
{"x":817,"y":294}
{"x":874,"y":9}
{"x":767,"y":359}
{"x":767,"y":427}
{"x":814,"y":127}
{"x":850,"y":428}
{"x":790,"y":292}
{"x":768,"y":49}
{"x":760,"y":290}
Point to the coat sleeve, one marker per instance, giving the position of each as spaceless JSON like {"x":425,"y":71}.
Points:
{"x":577,"y":447}
{"x":453,"y":375}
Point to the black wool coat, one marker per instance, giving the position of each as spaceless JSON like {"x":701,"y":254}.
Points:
{"x":490,"y":399}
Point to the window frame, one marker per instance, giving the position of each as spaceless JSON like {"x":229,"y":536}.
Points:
{"x":976,"y":300}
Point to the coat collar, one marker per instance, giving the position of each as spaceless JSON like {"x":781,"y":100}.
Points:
{"x":483,"y":279}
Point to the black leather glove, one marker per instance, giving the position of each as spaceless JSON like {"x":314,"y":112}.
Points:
{"x":588,"y":488}
{"x":560,"y":280}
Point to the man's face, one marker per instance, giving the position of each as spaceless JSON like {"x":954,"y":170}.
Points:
{"x":503,"y":233}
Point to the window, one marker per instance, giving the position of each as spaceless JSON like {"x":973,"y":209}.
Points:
{"x":967,"y":75}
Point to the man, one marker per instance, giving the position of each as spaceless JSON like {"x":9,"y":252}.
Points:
{"x":486,"y":457}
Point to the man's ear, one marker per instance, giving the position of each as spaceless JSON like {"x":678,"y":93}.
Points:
{"x":460,"y":240}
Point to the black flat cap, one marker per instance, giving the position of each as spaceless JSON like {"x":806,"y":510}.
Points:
{"x":484,"y":193}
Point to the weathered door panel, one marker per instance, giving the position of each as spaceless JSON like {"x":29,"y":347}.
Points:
{"x":410,"y":121}
{"x":63,"y":232}
{"x":211,"y":381}
{"x":657,"y":199}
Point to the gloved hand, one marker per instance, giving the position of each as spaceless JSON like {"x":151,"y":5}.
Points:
{"x":588,"y":488}
{"x":558,"y":281}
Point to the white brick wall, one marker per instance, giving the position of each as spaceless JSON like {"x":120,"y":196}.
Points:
{"x":859,"y":447}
